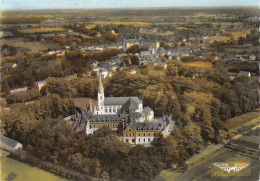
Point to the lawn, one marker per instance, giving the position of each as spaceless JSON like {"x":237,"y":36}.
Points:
{"x":17,"y":171}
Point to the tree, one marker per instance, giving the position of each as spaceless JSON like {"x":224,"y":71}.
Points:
{"x":134,"y":60}
{"x":207,"y":131}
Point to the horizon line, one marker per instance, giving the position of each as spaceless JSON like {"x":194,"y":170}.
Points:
{"x":255,"y":6}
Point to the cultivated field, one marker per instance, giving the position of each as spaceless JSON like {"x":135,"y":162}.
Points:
{"x":30,"y":45}
{"x":41,"y":30}
{"x":134,"y":23}
{"x":227,"y":36}
{"x":237,"y":34}
{"x":207,"y":65}
{"x":219,"y":38}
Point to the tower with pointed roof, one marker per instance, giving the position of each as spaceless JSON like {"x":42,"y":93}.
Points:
{"x":100,"y":96}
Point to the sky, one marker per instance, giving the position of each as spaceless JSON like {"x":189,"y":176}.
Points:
{"x":89,"y":4}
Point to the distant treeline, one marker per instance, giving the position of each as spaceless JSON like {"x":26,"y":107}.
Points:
{"x":21,"y":20}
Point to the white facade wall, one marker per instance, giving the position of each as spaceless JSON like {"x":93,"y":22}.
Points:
{"x":111,"y":109}
{"x":144,"y":140}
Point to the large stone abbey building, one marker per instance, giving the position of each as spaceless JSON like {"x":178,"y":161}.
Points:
{"x":124,"y":115}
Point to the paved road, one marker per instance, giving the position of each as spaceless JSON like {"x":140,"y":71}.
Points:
{"x":194,"y":171}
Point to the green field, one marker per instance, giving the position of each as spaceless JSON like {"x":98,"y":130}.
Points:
{"x":17,"y":171}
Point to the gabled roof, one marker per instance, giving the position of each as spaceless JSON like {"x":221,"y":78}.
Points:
{"x":131,"y":105}
{"x":120,"y":100}
{"x":8,"y":141}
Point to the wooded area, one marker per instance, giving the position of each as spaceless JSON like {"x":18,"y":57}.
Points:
{"x":200,"y":100}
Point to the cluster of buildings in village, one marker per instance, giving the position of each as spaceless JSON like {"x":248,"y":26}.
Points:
{"x":152,"y":56}
{"x":244,"y":58}
{"x":126,"y":116}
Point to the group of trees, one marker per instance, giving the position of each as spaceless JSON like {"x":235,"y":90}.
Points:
{"x":31,"y":68}
{"x":204,"y":97}
{"x":7,"y":50}
{"x":135,"y":49}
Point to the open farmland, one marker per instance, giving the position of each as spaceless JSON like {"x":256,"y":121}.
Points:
{"x":202,"y":64}
{"x":219,"y":38}
{"x":29,"y":45}
{"x":237,"y":34}
{"x":41,"y":30}
{"x":228,"y":36}
{"x":134,"y":23}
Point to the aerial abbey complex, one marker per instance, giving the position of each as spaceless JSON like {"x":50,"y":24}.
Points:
{"x":124,"y":115}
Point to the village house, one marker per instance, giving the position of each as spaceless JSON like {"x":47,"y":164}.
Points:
{"x":40,"y":84}
{"x":14,"y":91}
{"x":244,"y":73}
{"x":9,"y":144}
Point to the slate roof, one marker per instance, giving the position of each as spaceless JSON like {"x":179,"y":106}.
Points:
{"x":120,"y":100}
{"x":8,"y":141}
{"x":106,"y":117}
{"x":145,"y":53}
{"x":131,"y":105}
{"x":147,"y":110}
{"x":149,"y":125}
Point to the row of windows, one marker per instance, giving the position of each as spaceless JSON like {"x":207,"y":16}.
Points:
{"x":110,"y":109}
{"x":141,"y":134}
{"x":139,"y":140}
{"x":107,"y":120}
{"x":101,"y":125}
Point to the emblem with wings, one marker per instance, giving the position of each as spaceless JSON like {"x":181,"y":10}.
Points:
{"x":236,"y":168}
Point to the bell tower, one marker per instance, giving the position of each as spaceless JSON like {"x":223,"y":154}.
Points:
{"x":100,"y":96}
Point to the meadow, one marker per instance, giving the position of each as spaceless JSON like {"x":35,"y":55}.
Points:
{"x":202,"y":64}
{"x":41,"y":30}
{"x":228,"y":36}
{"x":29,"y":45}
